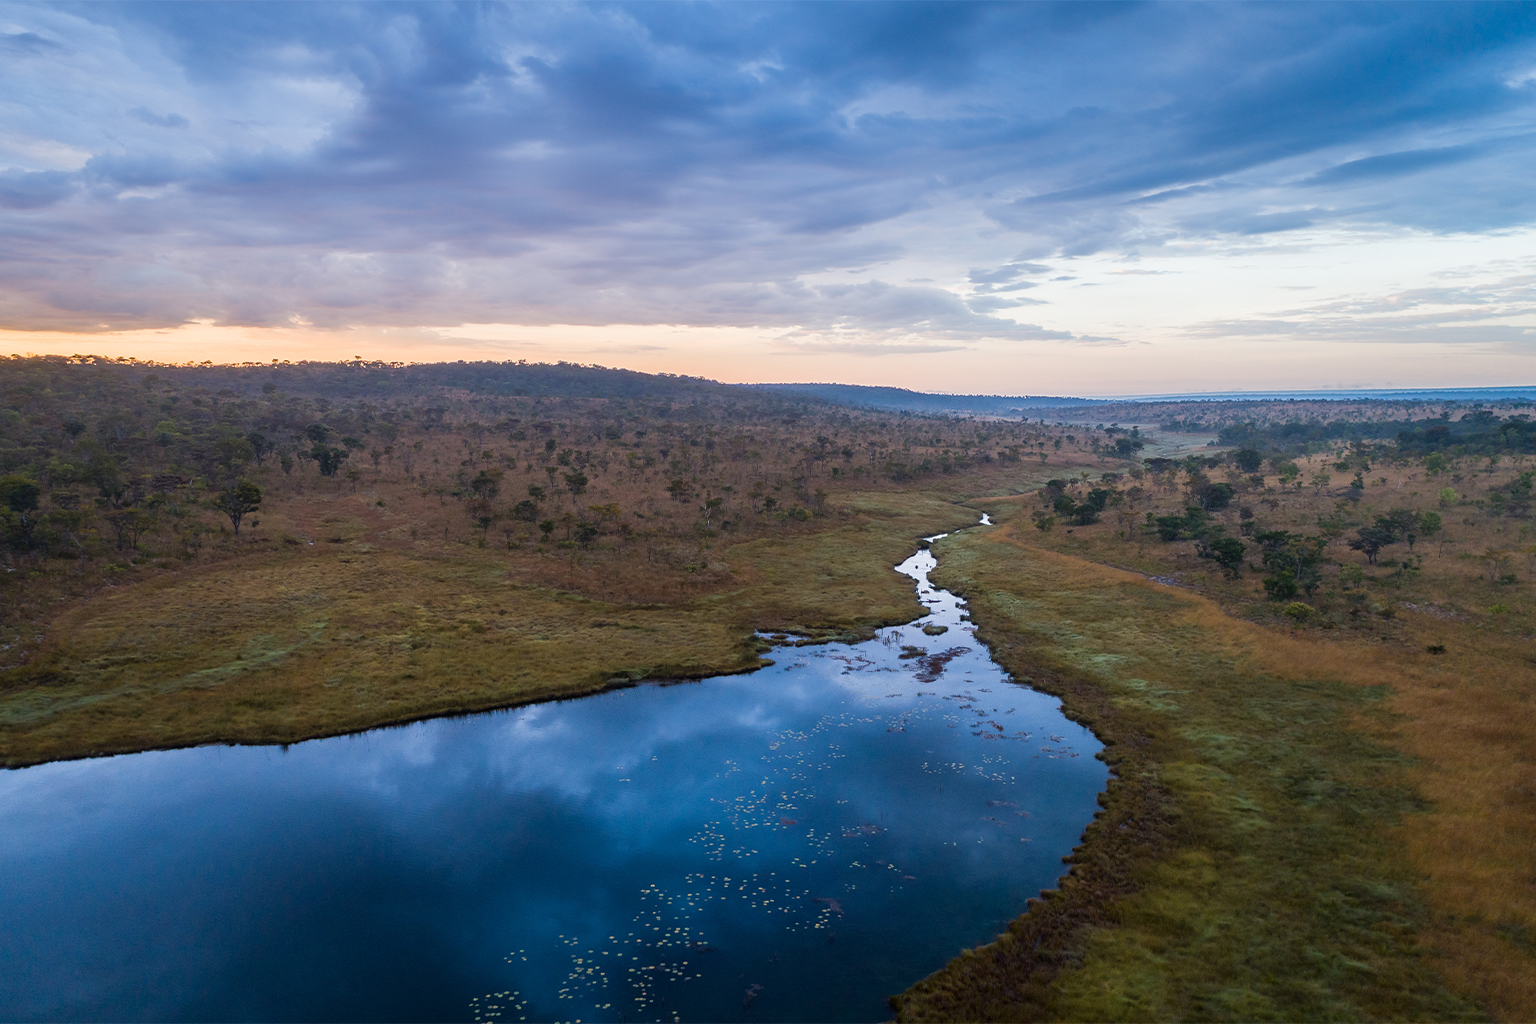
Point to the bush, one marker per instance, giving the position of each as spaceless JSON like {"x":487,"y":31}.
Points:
{"x":1248,"y":459}
{"x":1281,"y":585}
{"x":1215,"y":497}
{"x":1191,"y":524}
{"x":1228,"y":553}
{"x":1297,"y":610}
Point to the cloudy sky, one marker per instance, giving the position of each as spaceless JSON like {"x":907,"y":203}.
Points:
{"x":1015,"y":198}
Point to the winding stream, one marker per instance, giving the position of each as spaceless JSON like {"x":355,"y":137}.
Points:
{"x":793,"y":844}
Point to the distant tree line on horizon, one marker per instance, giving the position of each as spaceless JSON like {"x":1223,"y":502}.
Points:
{"x":95,"y":450}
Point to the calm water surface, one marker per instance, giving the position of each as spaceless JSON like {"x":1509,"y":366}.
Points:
{"x":794,"y":844}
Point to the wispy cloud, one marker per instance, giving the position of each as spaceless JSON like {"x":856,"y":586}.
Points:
{"x":404,"y":165}
{"x":1465,"y":314}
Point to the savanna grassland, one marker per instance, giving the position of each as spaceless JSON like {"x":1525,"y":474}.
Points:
{"x":272,"y":553}
{"x":1306,"y":645}
{"x":1314,"y":668}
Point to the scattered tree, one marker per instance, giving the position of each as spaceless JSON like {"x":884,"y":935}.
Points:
{"x":1228,"y":553}
{"x":237,"y":501}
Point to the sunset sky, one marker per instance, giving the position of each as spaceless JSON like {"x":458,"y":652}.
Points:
{"x":1017,"y":199}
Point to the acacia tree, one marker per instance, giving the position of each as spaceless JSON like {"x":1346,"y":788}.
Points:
{"x":328,"y":458}
{"x":483,"y":512}
{"x":1494,"y":560}
{"x":1293,"y":561}
{"x":1227,"y":552}
{"x":129,"y":524}
{"x":1248,"y":459}
{"x":487,"y":485}
{"x":238,"y":501}
{"x":261,"y":445}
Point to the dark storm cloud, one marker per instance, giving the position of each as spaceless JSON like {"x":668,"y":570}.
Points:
{"x":535,"y":163}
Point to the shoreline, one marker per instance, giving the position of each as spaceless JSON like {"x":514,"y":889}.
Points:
{"x":661,"y":674}
{"x":1248,"y":846}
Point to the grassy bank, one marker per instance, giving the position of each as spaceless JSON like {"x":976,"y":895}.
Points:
{"x":292,"y":644}
{"x":1281,"y":842}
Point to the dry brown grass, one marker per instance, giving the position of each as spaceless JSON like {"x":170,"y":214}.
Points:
{"x":668,"y":483}
{"x":361,"y":602}
{"x":295,"y":642}
{"x":1465,"y":720}
{"x":376,"y":596}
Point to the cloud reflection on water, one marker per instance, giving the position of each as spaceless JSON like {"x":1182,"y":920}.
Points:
{"x":828,"y":828}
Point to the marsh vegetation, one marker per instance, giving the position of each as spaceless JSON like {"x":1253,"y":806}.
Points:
{"x":409,"y":546}
{"x":1310,"y":656}
{"x":802,"y":841}
{"x":1302,"y":632}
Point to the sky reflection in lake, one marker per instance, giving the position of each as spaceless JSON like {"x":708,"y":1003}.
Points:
{"x":795,"y":844}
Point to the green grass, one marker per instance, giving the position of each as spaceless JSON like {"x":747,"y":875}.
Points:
{"x":1250,"y":862}
{"x":295,"y":644}
{"x":1246,"y":865}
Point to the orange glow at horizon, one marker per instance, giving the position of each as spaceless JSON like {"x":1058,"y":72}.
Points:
{"x":744,"y":355}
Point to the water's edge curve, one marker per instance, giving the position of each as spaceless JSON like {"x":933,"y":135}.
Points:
{"x":1017,"y":969}
{"x":576,"y":693}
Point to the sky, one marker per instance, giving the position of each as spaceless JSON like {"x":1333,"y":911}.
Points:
{"x":1083,"y":198}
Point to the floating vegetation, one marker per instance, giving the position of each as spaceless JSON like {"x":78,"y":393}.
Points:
{"x":793,"y":844}
{"x":769,"y":864}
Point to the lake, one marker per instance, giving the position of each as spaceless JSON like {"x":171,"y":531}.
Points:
{"x":797,"y":843}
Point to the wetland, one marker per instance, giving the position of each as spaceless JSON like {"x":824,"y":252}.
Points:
{"x":796,"y":843}
{"x":1313,"y":800}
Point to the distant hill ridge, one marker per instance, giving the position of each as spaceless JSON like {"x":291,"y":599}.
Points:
{"x":923,"y":401}
{"x":363,"y":378}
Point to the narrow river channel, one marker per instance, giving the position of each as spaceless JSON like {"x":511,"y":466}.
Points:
{"x":795,"y":844}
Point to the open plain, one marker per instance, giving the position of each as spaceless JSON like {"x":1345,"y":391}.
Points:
{"x":1320,"y":807}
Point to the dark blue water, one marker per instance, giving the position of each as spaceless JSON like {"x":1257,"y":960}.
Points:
{"x":794,"y":844}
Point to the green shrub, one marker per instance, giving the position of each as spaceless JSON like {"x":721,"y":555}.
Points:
{"x":1298,"y":610}
{"x":1281,"y":585}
